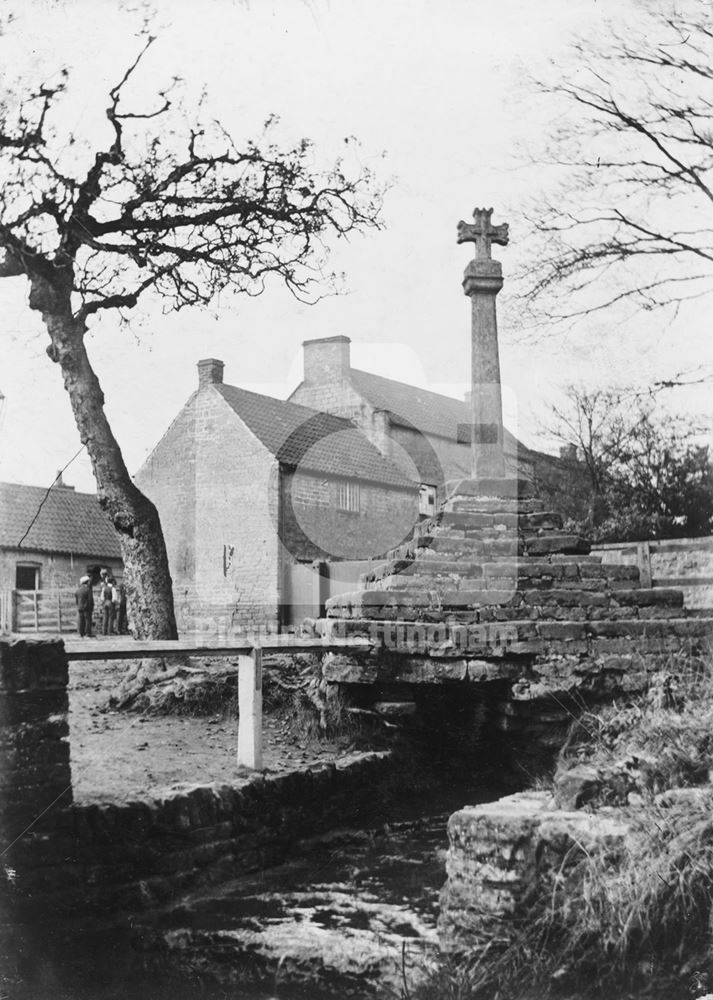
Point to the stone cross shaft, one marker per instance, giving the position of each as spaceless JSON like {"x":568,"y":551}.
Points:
{"x":482,"y":281}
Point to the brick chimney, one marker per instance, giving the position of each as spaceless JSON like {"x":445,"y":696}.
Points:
{"x":59,"y":483}
{"x":326,"y":360}
{"x":210,"y":372}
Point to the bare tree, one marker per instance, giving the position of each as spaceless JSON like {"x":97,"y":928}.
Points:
{"x":595,"y":425}
{"x":637,"y":473}
{"x":162,"y":209}
{"x":632,"y":220}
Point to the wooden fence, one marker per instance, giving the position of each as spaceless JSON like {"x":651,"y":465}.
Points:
{"x":45,"y":611}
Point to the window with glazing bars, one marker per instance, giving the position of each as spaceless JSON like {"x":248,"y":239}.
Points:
{"x":348,"y":497}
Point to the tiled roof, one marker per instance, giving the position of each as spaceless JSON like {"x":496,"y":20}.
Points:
{"x":429,"y":412}
{"x":317,"y":442}
{"x":67,"y":522}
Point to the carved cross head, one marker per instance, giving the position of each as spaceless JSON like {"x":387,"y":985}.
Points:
{"x":483,"y":233}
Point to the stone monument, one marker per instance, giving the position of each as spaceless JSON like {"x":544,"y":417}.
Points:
{"x":491,"y":590}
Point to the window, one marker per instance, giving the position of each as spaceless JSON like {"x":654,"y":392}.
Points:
{"x":27,"y":576}
{"x":427,"y":499}
{"x":348,"y":497}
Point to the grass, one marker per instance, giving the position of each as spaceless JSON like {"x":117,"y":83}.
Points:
{"x":631,"y":922}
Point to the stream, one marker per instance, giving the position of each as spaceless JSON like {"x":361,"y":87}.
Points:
{"x":352,"y":915}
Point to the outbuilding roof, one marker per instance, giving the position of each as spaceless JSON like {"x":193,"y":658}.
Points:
{"x":306,"y":439}
{"x":60,"y":520}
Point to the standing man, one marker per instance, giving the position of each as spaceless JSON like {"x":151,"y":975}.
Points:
{"x":107,"y":598}
{"x":85,"y":607}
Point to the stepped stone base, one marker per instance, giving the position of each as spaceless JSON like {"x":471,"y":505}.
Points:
{"x":491,"y":588}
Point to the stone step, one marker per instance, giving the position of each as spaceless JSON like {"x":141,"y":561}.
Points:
{"x":546,"y":520}
{"x":648,"y":596}
{"x":466,"y":520}
{"x":542,"y":642}
{"x":422,"y":567}
{"x":535,"y":545}
{"x":444,"y":541}
{"x":411,"y":593}
{"x":535,"y":568}
{"x":378,"y":598}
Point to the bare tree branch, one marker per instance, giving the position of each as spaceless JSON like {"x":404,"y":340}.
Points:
{"x":168,"y":206}
{"x":633,"y":222}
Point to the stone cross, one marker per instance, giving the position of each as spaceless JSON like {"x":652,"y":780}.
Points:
{"x":483,"y":233}
{"x":482,"y":281}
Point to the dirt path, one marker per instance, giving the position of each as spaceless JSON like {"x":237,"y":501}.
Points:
{"x":117,"y":756}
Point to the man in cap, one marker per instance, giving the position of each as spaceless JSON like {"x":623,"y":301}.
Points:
{"x":85,"y":606}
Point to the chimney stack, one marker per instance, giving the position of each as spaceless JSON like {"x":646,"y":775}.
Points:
{"x":210,"y":372}
{"x":59,"y":483}
{"x":326,"y":360}
{"x":568,"y":452}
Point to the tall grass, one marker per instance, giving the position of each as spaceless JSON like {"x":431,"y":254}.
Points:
{"x":632,"y":922}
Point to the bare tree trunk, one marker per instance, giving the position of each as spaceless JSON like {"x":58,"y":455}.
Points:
{"x":147,"y":576}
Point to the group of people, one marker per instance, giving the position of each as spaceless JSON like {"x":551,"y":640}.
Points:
{"x":112,"y":596}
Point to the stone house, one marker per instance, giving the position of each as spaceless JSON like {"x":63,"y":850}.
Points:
{"x":248,"y":487}
{"x":425,"y":433}
{"x":47,"y":541}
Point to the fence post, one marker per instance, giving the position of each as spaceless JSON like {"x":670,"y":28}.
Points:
{"x":643,"y":560}
{"x":250,"y":710}
{"x":321,"y":589}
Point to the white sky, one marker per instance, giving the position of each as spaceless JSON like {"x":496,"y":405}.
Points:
{"x":436,"y":87}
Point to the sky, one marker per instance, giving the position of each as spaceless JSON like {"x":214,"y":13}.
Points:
{"x":437,"y":96}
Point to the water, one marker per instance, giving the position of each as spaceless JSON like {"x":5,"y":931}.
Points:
{"x":353,"y":915}
{"x":350,"y":912}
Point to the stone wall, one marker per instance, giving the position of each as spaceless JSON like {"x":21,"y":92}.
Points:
{"x":498,"y":856}
{"x":135,"y":855}
{"x":313,"y":527}
{"x":35,"y":779}
{"x":58,"y":571}
{"x":684,"y":563}
{"x":215,"y":487}
{"x":60,"y":858}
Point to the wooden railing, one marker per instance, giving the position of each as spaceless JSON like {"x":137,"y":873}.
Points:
{"x":248,"y":655}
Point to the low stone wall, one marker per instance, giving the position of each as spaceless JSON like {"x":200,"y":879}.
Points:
{"x":132,"y":856}
{"x":34,"y":752}
{"x":684,"y":563}
{"x":61,"y":859}
{"x":498,"y":853}
{"x":35,"y":777}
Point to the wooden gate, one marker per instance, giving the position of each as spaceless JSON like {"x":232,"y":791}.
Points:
{"x":48,"y":611}
{"x":6,"y":607}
